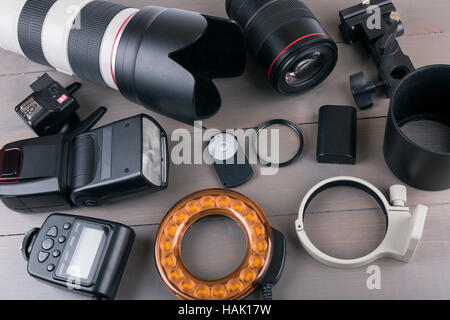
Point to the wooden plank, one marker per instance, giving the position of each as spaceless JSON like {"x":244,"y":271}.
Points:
{"x":248,"y":100}
{"x":427,"y":276}
{"x":418,"y":16}
{"x":422,"y":278}
{"x":277,"y":195}
{"x":11,"y":63}
{"x":16,"y":87}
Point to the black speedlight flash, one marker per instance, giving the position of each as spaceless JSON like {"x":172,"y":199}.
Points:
{"x":82,"y":254}
{"x":86,"y":169}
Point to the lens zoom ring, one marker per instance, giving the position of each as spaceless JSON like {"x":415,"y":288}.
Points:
{"x":242,"y":11}
{"x":86,"y":39}
{"x":269,"y":20}
{"x":29,"y":29}
{"x":260,"y":18}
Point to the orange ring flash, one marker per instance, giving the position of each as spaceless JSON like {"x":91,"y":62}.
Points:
{"x":248,"y":215}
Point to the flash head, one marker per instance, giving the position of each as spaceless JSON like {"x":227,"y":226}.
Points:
{"x":56,"y":172}
{"x":164,"y":59}
{"x":124,"y":157}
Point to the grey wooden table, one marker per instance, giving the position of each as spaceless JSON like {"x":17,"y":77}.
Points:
{"x":344,"y":222}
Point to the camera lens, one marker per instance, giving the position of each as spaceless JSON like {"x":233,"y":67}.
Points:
{"x":162,"y":58}
{"x":287,"y":41}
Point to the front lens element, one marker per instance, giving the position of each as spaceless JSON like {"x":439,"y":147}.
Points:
{"x":305,"y":69}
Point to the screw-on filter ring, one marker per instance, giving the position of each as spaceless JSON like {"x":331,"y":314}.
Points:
{"x":294,"y":128}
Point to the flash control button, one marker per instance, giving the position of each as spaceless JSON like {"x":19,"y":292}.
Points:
{"x":52,"y":232}
{"x":48,"y":244}
{"x":43,"y":256}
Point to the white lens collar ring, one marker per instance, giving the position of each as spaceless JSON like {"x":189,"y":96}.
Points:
{"x":403,"y":233}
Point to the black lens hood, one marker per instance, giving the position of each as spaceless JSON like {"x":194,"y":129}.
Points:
{"x":422,"y":95}
{"x":166,"y":60}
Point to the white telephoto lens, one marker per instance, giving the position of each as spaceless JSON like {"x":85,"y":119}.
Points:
{"x":130,"y":50}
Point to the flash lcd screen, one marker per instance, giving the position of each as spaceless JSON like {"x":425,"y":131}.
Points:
{"x":85,"y":252}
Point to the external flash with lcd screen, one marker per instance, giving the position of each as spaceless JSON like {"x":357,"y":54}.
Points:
{"x":85,"y":255}
{"x":56,"y":172}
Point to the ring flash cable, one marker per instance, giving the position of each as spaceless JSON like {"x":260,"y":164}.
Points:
{"x":403,"y":233}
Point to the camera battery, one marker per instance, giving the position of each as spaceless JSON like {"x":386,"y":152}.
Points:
{"x":336,"y":138}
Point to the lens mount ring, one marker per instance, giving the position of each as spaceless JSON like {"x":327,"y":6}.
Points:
{"x":396,"y":245}
{"x":259,"y":241}
{"x":290,"y":125}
